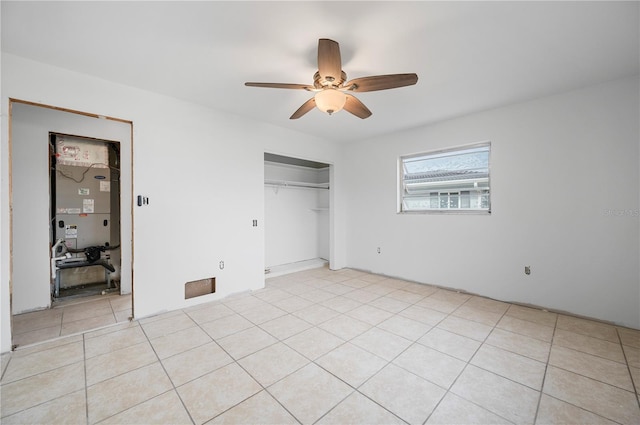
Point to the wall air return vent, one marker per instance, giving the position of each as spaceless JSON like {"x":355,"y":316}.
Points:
{"x":200,"y":287}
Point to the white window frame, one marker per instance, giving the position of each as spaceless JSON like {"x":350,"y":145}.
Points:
{"x":439,"y":194}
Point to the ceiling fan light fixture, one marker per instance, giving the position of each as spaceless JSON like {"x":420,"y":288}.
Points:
{"x":330,"y":100}
{"x":332,"y":93}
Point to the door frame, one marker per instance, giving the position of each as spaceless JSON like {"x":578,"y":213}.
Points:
{"x":13,"y":101}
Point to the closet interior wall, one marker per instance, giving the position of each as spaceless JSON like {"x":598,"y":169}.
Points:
{"x":296,"y":213}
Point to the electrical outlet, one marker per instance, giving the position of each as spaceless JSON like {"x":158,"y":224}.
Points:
{"x":221,"y":265}
{"x":527,"y":269}
{"x":378,"y":250}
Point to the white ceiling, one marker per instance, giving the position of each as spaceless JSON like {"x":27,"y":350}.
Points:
{"x":469,"y":56}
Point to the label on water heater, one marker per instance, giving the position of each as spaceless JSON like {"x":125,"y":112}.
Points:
{"x":71,"y":231}
{"x":87,"y":206}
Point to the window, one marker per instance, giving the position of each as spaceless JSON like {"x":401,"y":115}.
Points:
{"x":453,"y":180}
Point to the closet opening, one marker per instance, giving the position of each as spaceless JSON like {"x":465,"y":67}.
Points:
{"x":297,"y":214}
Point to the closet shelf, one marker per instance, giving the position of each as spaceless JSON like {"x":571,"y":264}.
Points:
{"x":288,"y":183}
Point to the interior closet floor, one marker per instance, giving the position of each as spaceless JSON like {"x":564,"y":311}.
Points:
{"x":333,"y":347}
{"x":69,"y":316}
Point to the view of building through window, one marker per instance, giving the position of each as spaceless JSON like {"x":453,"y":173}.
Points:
{"x":454,"y":179}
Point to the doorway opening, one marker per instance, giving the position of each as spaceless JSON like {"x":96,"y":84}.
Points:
{"x":71,"y":222}
{"x":85,"y":216}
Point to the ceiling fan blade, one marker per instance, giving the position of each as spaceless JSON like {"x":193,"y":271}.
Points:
{"x":306,"y":107}
{"x":356,"y":107}
{"x":280,"y":86}
{"x":381,"y":82}
{"x":329,"y":61}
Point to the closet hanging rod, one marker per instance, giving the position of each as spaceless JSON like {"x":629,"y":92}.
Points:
{"x":286,"y":183}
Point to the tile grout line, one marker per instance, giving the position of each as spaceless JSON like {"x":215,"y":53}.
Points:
{"x":313,"y":361}
{"x":41,"y":372}
{"x":137,"y":368}
{"x":372,"y":327}
{"x":247,"y":372}
{"x":467,"y":363}
{"x":634,"y":384}
{"x":41,"y":403}
{"x":592,"y":354}
{"x":177,"y":354}
{"x":389,"y":362}
{"x":593,"y":378}
{"x":86,"y":386}
{"x":6,"y":367}
{"x":355,"y":389}
{"x":173,"y":386}
{"x":115,"y":318}
{"x":518,"y":333}
{"x":579,"y":374}
{"x":447,"y":390}
{"x":61,"y":309}
{"x":514,"y":352}
{"x":62,"y":323}
{"x":265,"y":389}
{"x":546,"y":367}
{"x":604,"y":418}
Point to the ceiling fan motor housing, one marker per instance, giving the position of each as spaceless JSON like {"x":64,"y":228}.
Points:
{"x":329,"y":81}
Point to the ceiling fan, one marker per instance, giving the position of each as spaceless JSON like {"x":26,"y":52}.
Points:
{"x":332,"y":93}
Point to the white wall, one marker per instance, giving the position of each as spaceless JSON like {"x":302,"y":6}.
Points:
{"x":323,"y":223}
{"x":30,"y":127}
{"x":565,"y":185}
{"x":201,"y":169}
{"x":5,"y":297}
{"x":295,"y":230}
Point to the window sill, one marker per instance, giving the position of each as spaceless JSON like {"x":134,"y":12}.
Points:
{"x":448,"y":212}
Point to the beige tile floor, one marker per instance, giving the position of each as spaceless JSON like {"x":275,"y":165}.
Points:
{"x":70,"y":316}
{"x":333,"y":348}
